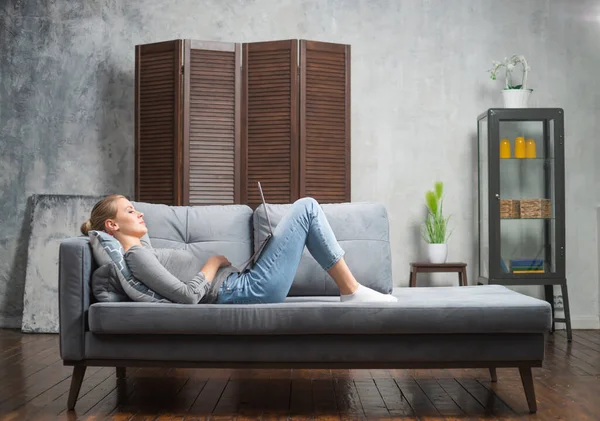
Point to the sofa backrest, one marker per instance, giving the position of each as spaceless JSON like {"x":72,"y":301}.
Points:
{"x":204,"y":230}
{"x":234,"y":231}
{"x":362,"y":230}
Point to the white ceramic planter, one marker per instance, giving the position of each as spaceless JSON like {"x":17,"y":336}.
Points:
{"x":516,"y":98}
{"x":437,"y":253}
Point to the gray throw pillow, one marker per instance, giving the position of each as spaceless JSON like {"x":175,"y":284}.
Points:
{"x":107,"y":249}
{"x":106,"y":286}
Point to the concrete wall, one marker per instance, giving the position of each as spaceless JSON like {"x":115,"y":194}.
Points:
{"x":418,"y":82}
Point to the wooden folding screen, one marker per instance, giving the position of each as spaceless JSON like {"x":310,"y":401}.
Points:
{"x":213,"y":119}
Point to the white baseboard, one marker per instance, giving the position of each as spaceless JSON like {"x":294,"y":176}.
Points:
{"x":10,"y":322}
{"x":578,"y":322}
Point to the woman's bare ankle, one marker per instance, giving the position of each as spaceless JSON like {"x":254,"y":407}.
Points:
{"x":341,"y":274}
{"x":348,"y":288}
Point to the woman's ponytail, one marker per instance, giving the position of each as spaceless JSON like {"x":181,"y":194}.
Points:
{"x":86,"y":226}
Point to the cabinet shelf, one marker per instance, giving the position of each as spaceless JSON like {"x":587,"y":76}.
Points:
{"x":525,"y":159}
{"x":527,"y":219}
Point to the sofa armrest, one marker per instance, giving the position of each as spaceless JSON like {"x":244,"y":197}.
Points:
{"x":75,"y":267}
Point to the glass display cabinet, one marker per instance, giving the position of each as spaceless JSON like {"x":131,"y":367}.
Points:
{"x":521,"y":193}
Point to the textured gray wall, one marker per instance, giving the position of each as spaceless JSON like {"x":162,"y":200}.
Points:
{"x":418,"y":83}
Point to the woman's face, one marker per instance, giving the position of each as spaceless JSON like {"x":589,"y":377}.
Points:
{"x":128,"y":221}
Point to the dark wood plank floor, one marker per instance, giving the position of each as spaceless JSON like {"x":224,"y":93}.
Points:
{"x":34,"y":386}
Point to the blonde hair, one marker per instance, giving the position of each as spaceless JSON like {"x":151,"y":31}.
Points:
{"x":103,"y":210}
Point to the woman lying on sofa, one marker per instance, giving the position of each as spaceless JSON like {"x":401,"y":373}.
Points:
{"x":182,"y":280}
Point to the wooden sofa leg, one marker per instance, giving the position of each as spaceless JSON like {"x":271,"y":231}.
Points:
{"x":493,"y":374}
{"x":76,"y":380}
{"x":527,"y":379}
{"x":121,"y":372}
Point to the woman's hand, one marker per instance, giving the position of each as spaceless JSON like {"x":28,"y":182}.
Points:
{"x":220,"y":261}
{"x":212,"y":265}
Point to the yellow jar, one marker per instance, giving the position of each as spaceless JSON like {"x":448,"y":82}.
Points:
{"x":504,"y":148}
{"x":520,"y":147}
{"x":530,"y":148}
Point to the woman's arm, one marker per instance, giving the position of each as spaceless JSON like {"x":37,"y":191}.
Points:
{"x":146,"y":268}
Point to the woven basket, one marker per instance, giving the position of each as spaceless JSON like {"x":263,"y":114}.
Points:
{"x":509,"y":208}
{"x":536,"y":208}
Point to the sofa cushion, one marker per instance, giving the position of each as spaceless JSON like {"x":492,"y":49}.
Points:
{"x":362,"y":229}
{"x":470,"y":309}
{"x":204,"y":230}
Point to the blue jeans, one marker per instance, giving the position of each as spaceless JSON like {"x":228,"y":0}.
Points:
{"x":271,"y":277}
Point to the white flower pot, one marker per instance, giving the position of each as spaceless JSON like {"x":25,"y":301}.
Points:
{"x":516,"y":98}
{"x":437,"y":253}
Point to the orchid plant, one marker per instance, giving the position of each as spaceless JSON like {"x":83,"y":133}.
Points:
{"x":510,"y":64}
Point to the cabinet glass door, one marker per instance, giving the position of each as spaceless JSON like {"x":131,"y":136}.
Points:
{"x":527,"y":198}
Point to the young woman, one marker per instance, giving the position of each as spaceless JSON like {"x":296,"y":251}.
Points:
{"x":178,"y":276}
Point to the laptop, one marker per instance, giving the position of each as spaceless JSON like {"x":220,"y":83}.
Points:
{"x":264,"y":243}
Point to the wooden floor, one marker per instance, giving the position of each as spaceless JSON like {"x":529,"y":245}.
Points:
{"x":34,"y":386}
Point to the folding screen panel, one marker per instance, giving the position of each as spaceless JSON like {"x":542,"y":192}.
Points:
{"x":157,"y":122}
{"x":325,"y":121}
{"x":270,"y":121}
{"x":211,"y":123}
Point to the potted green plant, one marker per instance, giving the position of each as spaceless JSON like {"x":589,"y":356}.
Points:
{"x":435,"y":227}
{"x":514,"y":95}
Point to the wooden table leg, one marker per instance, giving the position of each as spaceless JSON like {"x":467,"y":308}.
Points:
{"x":464,"y":277}
{"x":413,"y":278}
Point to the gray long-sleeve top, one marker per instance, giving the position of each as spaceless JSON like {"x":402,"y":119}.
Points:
{"x":175,"y":274}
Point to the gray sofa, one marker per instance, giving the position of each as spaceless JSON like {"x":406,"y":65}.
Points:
{"x":462,"y":327}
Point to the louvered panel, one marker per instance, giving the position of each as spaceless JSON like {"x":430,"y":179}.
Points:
{"x":325,"y":129}
{"x":156,"y":115}
{"x":211,"y":123}
{"x":270,"y":141}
